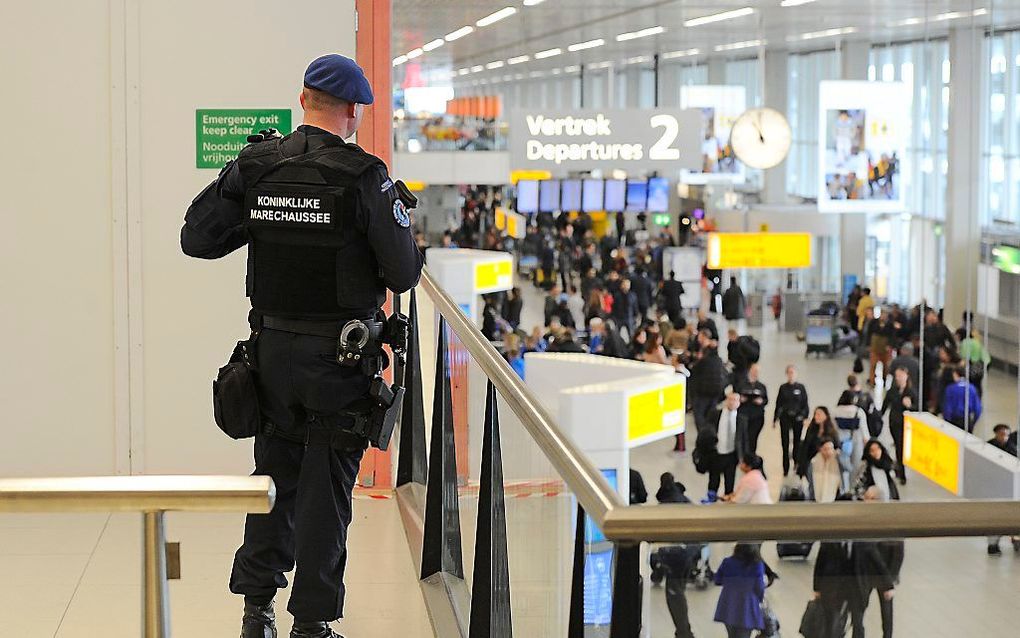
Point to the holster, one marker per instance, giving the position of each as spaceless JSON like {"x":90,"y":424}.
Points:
{"x":235,"y":398}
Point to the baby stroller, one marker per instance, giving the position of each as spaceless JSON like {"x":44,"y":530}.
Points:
{"x":691,"y":558}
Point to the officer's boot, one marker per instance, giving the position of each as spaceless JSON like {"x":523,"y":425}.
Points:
{"x":318,"y":629}
{"x":259,"y":620}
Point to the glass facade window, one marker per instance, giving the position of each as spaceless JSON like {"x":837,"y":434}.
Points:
{"x":1000,"y":155}
{"x":806,"y":71}
{"x":745,"y":73}
{"x":924,"y":67}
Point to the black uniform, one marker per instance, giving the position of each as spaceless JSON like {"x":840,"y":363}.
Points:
{"x":327,"y":234}
{"x":791,"y":410}
{"x":750,"y":393}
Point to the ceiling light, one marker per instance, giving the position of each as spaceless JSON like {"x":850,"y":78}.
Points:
{"x":638,"y":59}
{"x":606,"y":64}
{"x":518,"y":76}
{"x":954,"y":15}
{"x":476,"y":68}
{"x":548,"y":53}
{"x":531,"y":3}
{"x":680,"y":54}
{"x":412,"y":54}
{"x":556,"y":71}
{"x":634,"y":35}
{"x":459,"y":33}
{"x":747,"y":44}
{"x":400,"y":59}
{"x":907,"y":22}
{"x":590,"y":44}
{"x":518,"y":59}
{"x":794,"y":3}
{"x":719,"y":17}
{"x":827,"y":33}
{"x":573,"y":68}
{"x":492,"y":18}
{"x":435,"y":44}
{"x":463,"y":71}
{"x":537,"y":74}
{"x":507,"y":77}
{"x":497,"y":64}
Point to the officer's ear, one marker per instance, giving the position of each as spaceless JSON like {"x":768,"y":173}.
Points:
{"x":301,"y":99}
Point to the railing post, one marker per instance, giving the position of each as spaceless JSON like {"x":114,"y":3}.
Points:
{"x":626,"y":622}
{"x":575,"y":626}
{"x":155,"y":594}
{"x":412,"y":464}
{"x":441,"y":546}
{"x":490,"y":592}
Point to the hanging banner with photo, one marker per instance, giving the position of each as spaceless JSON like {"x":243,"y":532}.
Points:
{"x":862,"y":132}
{"x":720,"y":107}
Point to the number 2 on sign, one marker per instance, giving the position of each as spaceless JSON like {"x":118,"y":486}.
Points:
{"x":663,"y":149}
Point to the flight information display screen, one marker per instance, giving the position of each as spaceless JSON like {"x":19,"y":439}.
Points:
{"x":527,"y":196}
{"x":658,"y":195}
{"x":637,"y":195}
{"x":593,"y":195}
{"x":570,"y":195}
{"x":616,"y":193}
{"x":549,"y":196}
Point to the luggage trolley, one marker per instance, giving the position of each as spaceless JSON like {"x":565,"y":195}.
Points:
{"x":820,"y":334}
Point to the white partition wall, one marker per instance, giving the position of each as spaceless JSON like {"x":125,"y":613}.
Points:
{"x":113,"y":335}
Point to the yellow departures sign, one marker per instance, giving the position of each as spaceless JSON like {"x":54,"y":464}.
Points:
{"x":759,"y":250}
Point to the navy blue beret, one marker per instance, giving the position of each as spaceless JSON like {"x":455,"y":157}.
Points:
{"x":339,"y":76}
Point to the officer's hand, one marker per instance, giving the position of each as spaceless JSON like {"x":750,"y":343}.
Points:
{"x":888,"y":595}
{"x":816,"y":596}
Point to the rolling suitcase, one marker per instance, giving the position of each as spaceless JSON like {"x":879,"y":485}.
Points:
{"x":793,"y":493}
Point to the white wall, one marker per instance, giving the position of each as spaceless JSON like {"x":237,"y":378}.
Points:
{"x":56,"y":249}
{"x":113,"y":334}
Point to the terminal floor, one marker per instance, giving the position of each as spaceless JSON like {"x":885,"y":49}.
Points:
{"x":77,"y":575}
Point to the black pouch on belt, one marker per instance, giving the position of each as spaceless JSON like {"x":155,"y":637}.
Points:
{"x":235,"y":400}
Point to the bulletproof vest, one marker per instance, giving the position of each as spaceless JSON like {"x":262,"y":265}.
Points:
{"x":308,"y":253}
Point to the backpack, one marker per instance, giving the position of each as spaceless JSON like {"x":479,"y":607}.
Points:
{"x":704,"y":451}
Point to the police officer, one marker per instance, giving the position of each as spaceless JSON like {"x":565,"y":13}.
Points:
{"x":327,"y":232}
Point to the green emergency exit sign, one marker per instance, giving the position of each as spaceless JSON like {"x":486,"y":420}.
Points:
{"x":661,"y":220}
{"x":220,"y":134}
{"x":1006,"y":258}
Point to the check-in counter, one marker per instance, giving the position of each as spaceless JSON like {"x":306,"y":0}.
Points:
{"x":957,"y":461}
{"x":466,"y":274}
{"x":609,"y":406}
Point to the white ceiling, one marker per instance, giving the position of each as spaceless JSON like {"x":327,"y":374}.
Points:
{"x":559,"y":23}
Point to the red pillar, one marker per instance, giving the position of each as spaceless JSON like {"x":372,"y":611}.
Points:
{"x":376,"y":137}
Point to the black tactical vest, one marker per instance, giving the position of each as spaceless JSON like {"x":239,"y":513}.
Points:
{"x":308,"y":254}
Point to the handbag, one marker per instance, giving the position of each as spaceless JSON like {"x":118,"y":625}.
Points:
{"x":812,"y":624}
{"x":771,"y":624}
{"x":235,"y":398}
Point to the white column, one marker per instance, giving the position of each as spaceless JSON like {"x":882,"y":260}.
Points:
{"x":776,"y":78}
{"x":963,"y":232}
{"x":853,"y":61}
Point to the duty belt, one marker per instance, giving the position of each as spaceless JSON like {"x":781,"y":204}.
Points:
{"x":319,"y":328}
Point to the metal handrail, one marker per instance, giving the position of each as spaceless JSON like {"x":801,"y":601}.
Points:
{"x":781,"y":521}
{"x":152,"y":496}
{"x":585,"y":481}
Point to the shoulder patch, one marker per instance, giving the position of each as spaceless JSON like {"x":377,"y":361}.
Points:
{"x":387,"y":185}
{"x":400,"y":214}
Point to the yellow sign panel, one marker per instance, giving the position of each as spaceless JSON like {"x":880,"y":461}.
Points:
{"x":494,"y":275}
{"x":518,"y":175}
{"x":656,"y":411}
{"x":500,"y":218}
{"x":932,"y":453}
{"x":415,"y":186}
{"x":759,"y":250}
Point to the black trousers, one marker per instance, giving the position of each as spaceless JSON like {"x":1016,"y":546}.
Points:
{"x":790,"y":430}
{"x":857,"y":609}
{"x":302,"y":390}
{"x":896,"y":429}
{"x":676,"y":602}
{"x":725,"y":465}
{"x":755,"y":424}
{"x":701,"y":405}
